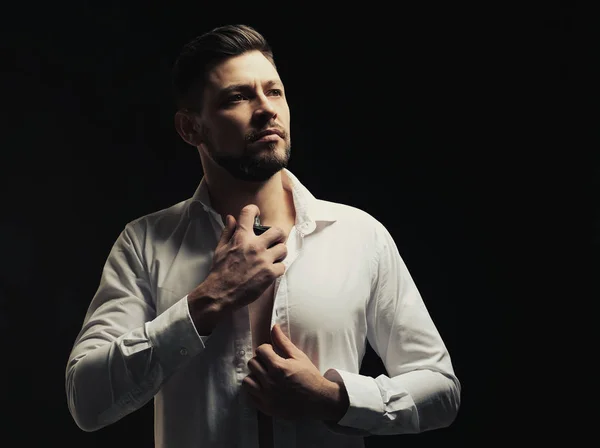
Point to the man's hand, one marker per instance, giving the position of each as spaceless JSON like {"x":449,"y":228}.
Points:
{"x":290,"y":386}
{"x":244,"y":265}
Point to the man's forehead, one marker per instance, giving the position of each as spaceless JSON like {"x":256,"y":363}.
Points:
{"x":242,"y":69}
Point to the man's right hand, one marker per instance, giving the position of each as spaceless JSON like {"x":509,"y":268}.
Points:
{"x":244,"y":264}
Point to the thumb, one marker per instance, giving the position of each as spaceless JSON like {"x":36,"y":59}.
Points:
{"x":228,"y":230}
{"x":283,"y":342}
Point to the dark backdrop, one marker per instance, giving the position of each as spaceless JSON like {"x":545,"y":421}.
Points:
{"x":423,"y":117}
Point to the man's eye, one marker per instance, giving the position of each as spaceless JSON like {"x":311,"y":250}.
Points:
{"x":235,"y":98}
{"x":276,"y":92}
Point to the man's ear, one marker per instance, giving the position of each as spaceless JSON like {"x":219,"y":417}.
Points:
{"x":187,"y":127}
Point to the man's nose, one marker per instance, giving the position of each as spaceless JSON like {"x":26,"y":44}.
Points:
{"x":265,"y":110}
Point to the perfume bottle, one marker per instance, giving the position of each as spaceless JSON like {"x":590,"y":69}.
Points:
{"x":258,"y":229}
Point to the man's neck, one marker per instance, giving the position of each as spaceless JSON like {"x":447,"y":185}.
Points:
{"x":228,"y":196}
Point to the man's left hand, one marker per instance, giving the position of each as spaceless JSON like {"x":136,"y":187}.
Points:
{"x":290,"y":386}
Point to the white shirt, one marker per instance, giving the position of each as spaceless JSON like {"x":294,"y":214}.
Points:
{"x":345,"y":283}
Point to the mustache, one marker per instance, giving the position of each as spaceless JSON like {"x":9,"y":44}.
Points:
{"x":252,"y":135}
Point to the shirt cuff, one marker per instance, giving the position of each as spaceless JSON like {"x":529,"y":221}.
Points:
{"x":174,"y":336}
{"x":366,"y":405}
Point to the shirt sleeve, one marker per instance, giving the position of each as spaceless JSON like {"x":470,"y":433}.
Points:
{"x":421,"y":392}
{"x":124,"y":351}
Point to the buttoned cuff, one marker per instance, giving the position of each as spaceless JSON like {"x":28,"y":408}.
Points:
{"x":365,"y":408}
{"x":174,"y":336}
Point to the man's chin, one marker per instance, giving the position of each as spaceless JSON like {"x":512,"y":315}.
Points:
{"x":261,"y":161}
{"x":254,"y":176}
{"x":257,"y":171}
{"x":257,"y":147}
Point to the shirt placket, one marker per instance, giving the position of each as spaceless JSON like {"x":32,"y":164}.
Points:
{"x":284,"y":431}
{"x":242,"y":354}
{"x":284,"y":434}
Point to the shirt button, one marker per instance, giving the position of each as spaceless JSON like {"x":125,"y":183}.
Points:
{"x":183,"y":351}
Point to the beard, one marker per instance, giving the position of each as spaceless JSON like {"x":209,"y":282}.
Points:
{"x":257,"y":164}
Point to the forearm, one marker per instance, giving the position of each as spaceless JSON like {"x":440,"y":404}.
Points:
{"x":99,"y":389}
{"x":109,"y":377}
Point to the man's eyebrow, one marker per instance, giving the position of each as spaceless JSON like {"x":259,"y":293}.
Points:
{"x":273,"y":82}
{"x":233,"y":87}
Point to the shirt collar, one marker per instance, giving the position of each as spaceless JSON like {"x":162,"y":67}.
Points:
{"x":309,"y":210}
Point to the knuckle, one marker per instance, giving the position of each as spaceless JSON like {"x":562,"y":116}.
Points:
{"x":280,"y":233}
{"x":252,"y":249}
{"x":249,"y":209}
{"x":271,"y":273}
{"x":233,"y":246}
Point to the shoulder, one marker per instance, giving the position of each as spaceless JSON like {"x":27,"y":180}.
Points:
{"x":354,"y":219}
{"x":347,"y":213}
{"x":161,"y":222}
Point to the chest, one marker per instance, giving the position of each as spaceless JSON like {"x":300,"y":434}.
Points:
{"x":325,"y":290}
{"x":260,"y":312}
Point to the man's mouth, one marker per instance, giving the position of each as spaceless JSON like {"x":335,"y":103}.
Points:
{"x":268,"y":135}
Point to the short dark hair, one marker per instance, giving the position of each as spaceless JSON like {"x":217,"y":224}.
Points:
{"x":203,"y":53}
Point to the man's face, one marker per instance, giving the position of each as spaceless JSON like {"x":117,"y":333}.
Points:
{"x":243,"y":98}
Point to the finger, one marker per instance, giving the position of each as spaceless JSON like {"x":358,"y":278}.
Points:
{"x":254,"y":392}
{"x":259,"y":403}
{"x":228,"y":230}
{"x":267,"y":357}
{"x":278,"y":269}
{"x":247,"y":217}
{"x":251,"y":386}
{"x":281,"y":341}
{"x":278,"y":252}
{"x":273,"y":236}
{"x":259,"y":373}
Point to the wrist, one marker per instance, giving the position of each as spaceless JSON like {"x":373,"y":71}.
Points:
{"x":336,"y":400}
{"x":205,"y":310}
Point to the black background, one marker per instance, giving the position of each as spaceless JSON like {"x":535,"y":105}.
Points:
{"x":429,"y":118}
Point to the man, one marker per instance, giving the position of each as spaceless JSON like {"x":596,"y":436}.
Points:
{"x":255,"y":339}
